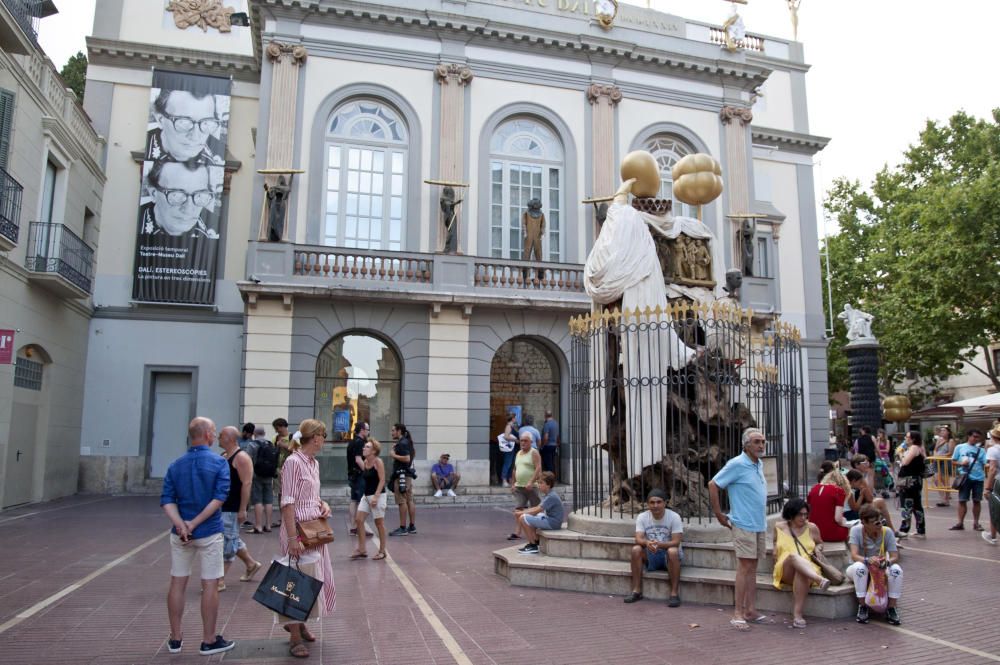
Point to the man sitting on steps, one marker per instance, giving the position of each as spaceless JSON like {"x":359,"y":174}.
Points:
{"x":658,"y":533}
{"x":444,"y":477}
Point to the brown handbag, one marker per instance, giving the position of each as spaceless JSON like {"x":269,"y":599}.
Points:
{"x":826,"y":569}
{"x":314,"y":533}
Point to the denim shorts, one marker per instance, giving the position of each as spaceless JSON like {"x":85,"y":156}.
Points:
{"x":231,"y":533}
{"x":541,"y":522}
{"x":973,"y":488}
{"x":658,"y":559}
{"x":262,"y":491}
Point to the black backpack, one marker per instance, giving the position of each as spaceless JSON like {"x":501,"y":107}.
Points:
{"x":266,"y":465}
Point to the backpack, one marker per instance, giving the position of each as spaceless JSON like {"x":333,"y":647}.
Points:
{"x":266,"y":465}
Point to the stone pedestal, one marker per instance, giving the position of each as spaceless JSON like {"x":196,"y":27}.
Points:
{"x":866,"y":406}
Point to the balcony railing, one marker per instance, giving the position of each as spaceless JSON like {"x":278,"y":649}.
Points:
{"x":55,"y":250}
{"x":748,"y":43}
{"x":10,"y":207}
{"x":25,"y":13}
{"x":525,"y":275}
{"x":365,"y":266}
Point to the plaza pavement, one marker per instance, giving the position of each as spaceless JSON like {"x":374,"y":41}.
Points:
{"x":71,"y":592}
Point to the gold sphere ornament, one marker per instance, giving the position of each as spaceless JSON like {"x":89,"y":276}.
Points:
{"x":697,"y":179}
{"x":896,"y":408}
{"x":641,"y":165}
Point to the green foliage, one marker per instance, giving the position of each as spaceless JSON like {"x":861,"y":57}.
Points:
{"x":74,"y":74}
{"x":919,"y":251}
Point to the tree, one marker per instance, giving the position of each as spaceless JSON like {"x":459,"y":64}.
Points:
{"x":74,"y":74}
{"x":921,"y":252}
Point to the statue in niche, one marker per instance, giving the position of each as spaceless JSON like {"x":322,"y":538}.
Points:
{"x":859,"y":324}
{"x":747,"y":232}
{"x":277,"y":200}
{"x":449,"y":215}
{"x":533,"y":223}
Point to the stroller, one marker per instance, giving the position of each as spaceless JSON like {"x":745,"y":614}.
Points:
{"x":884,"y":483}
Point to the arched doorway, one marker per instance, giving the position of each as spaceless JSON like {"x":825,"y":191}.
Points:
{"x":524,"y":379}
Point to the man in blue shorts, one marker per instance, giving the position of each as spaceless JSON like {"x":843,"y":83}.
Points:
{"x":970,"y":463}
{"x":546,"y":516}
{"x":658,"y":533}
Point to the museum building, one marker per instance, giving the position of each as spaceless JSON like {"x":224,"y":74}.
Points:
{"x":358,"y":142}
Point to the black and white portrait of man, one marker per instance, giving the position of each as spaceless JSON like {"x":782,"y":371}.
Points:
{"x":181,"y":199}
{"x":187,"y":126}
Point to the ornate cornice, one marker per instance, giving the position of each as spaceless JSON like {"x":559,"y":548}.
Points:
{"x":117,"y":53}
{"x":791,"y":141}
{"x":728,"y":113}
{"x":595,"y":91}
{"x":277,"y":50}
{"x":202,"y":13}
{"x":451,"y":72}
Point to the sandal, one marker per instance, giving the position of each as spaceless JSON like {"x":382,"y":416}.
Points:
{"x":740,"y":625}
{"x":761,"y":618}
{"x":267,"y":529}
{"x":513,"y":536}
{"x":633,"y":597}
{"x":379,"y":556}
{"x":306,"y":635}
{"x":824,"y":585}
{"x":256,"y":531}
{"x":298,"y":650}
{"x":251,"y":571}
{"x":799,"y":623}
{"x":359,"y":555}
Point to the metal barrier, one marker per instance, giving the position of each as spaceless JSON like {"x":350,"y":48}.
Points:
{"x":940,"y":481}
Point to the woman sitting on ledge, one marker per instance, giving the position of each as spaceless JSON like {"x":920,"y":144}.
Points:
{"x":795,"y":539}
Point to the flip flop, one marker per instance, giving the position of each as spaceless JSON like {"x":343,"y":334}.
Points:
{"x":761,"y":619}
{"x":799,"y":623}
{"x":306,"y":635}
{"x":824,"y":585}
{"x":740,"y":625}
{"x":359,"y":555}
{"x":379,"y":556}
{"x":251,"y":571}
{"x":298,"y":650}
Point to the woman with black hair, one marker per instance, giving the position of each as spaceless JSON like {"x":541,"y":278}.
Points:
{"x":795,"y":540}
{"x":911,"y":483}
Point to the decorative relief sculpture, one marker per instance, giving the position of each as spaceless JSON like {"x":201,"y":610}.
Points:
{"x":202,"y":13}
{"x":728,"y":113}
{"x":446,"y":73}
{"x":859,"y":324}
{"x":449,"y":216}
{"x":596,"y":91}
{"x":276,"y":50}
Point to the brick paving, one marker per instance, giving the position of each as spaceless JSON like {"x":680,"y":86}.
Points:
{"x":120,"y":615}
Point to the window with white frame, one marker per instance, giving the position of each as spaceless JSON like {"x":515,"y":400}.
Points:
{"x":762,"y":257}
{"x":366,"y":151}
{"x":668,"y":149}
{"x":526,"y":162}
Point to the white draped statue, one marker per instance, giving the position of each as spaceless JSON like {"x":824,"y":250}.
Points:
{"x":623,"y":264}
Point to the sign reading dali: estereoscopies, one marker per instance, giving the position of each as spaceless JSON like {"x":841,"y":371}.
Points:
{"x":181,"y":197}
{"x":627,"y":16}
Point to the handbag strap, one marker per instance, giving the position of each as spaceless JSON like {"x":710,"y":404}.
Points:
{"x":798,"y":546}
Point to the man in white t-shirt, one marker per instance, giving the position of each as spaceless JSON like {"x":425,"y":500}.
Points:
{"x":992,"y":486}
{"x":658,"y":533}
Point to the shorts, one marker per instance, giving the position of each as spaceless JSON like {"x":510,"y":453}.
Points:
{"x":541,"y":522}
{"x":377,"y":510}
{"x":357,"y":484}
{"x":262,"y":491}
{"x":525,"y":498}
{"x":658,"y":559}
{"x":973,"y":488}
{"x":446,"y":482}
{"x":207,"y":549}
{"x":749,"y":544}
{"x":402,"y":497}
{"x":231,"y":537}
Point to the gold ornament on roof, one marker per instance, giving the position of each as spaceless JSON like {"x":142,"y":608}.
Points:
{"x":202,"y":13}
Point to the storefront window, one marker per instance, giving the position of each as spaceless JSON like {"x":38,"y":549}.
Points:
{"x":357,"y":379}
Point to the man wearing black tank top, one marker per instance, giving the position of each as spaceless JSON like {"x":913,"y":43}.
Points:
{"x":234,"y":508}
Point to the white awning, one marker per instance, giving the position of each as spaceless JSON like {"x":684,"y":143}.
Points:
{"x":973,"y":402}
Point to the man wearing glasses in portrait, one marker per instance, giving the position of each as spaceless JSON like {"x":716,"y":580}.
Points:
{"x":179,"y":194}
{"x":187,"y":127}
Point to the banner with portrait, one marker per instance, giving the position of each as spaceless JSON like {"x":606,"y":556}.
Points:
{"x":181,"y":195}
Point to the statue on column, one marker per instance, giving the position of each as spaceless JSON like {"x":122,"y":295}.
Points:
{"x":533,"y":223}
{"x":747,"y":232}
{"x":859,"y":324}
{"x":277,"y":198}
{"x":449,"y":216}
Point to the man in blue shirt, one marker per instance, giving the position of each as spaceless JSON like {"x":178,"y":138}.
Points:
{"x":743,"y":478}
{"x":194,"y":489}
{"x":970,"y":462}
{"x":550,"y":442}
{"x":529,"y":426}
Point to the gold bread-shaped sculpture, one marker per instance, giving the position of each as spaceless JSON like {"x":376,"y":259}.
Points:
{"x":642,"y":166}
{"x":697,"y":179}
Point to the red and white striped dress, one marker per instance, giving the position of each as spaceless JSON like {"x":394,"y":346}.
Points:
{"x":300,"y":486}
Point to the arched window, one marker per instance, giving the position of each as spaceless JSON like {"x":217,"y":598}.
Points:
{"x":668,"y":150}
{"x":366,"y":146}
{"x":357,"y":379}
{"x":526,"y":162}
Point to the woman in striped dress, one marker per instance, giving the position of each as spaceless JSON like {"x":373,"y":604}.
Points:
{"x":300,"y":502}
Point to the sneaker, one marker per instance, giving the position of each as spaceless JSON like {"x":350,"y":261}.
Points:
{"x":530,"y":548}
{"x":439,"y":493}
{"x":412,"y":530}
{"x":675,"y":601}
{"x":452,"y":493}
{"x":222,"y":585}
{"x":401,"y":531}
{"x":174,"y":646}
{"x":218,"y":646}
{"x":862,"y":614}
{"x":902,"y":534}
{"x":987,"y":538}
{"x":957,"y":527}
{"x":978,"y":527}
{"x":892,"y":616}
{"x":505,"y":484}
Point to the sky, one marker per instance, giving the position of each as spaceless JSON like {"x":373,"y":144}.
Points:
{"x":880,"y":68}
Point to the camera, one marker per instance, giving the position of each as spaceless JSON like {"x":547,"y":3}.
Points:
{"x":401,"y":481}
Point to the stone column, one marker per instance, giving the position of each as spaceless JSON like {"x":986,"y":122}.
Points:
{"x":451,"y":151}
{"x":285,"y":61}
{"x":862,"y":363}
{"x":736,"y":123}
{"x":603,"y":100}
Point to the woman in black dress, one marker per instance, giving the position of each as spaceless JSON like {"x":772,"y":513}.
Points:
{"x":911,"y":483}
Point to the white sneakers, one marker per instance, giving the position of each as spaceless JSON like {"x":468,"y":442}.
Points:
{"x":439,"y":493}
{"x":451,"y":493}
{"x":987,"y":538}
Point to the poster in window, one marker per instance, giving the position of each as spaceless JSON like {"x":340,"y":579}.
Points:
{"x":181,"y":195}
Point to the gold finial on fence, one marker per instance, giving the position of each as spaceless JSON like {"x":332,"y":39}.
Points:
{"x":658,"y":311}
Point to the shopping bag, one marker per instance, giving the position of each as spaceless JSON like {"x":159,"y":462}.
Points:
{"x":877,"y":596}
{"x":287,"y":590}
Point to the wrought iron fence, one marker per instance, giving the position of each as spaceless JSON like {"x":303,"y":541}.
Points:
{"x":10,"y":206}
{"x":659,"y":399}
{"x":53,"y":248}
{"x":25,"y":12}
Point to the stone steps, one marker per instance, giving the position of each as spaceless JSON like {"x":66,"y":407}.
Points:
{"x":339,"y":495}
{"x":698,"y":584}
